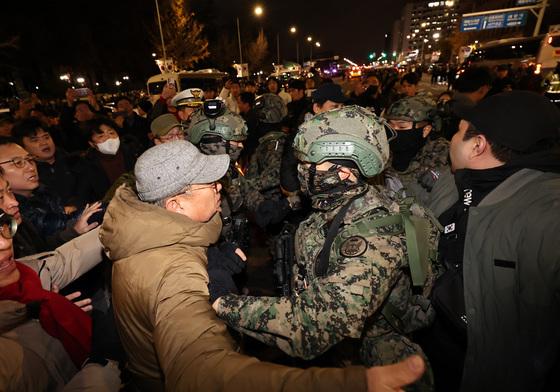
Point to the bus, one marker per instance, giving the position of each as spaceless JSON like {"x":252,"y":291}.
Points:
{"x":511,"y":51}
{"x":549,"y":53}
{"x":548,"y":64}
{"x":186,"y":79}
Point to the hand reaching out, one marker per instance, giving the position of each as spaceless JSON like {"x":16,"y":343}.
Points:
{"x":84,"y":304}
{"x":81,"y":226}
{"x":393,"y":378}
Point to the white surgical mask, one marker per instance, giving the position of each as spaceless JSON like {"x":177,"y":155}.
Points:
{"x":109,"y":146}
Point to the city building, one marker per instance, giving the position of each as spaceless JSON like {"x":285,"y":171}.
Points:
{"x":423,"y":24}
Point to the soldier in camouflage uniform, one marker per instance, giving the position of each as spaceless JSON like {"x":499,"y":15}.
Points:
{"x":418,"y":160}
{"x":222,"y":134}
{"x":262,"y":179}
{"x":363,"y":292}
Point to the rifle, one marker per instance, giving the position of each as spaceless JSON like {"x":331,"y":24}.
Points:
{"x":238,"y":233}
{"x":284,"y":258}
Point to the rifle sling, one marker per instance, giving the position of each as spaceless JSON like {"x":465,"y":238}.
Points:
{"x":322,"y":266}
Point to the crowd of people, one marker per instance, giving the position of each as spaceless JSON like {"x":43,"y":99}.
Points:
{"x":413,"y":238}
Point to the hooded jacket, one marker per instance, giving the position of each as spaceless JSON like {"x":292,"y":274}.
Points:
{"x":171,"y":334}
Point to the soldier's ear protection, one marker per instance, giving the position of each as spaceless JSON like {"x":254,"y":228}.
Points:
{"x":389,"y":131}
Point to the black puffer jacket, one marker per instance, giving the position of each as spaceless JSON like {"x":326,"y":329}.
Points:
{"x":46,"y":212}
{"x":94,"y":182}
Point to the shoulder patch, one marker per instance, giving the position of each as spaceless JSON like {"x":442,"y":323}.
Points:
{"x":354,"y":246}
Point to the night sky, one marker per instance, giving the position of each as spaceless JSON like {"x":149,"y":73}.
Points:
{"x":347,"y":28}
{"x":107,"y":38}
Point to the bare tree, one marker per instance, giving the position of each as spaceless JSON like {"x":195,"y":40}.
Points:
{"x":456,"y":40}
{"x":183,"y":35}
{"x":258,"y":51}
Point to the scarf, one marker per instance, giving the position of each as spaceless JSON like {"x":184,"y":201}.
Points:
{"x":59,"y":317}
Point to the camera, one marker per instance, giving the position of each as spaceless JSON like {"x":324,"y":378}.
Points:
{"x":213,"y":108}
{"x":82,"y":92}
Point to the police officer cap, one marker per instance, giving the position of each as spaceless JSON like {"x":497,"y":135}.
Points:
{"x":515,"y":119}
{"x":191,"y":97}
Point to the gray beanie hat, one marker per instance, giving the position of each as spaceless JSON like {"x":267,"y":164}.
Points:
{"x":166,"y":169}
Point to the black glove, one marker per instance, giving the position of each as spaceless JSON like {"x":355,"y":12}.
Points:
{"x":271,"y":212}
{"x":224,"y":257}
{"x":223,"y":262}
{"x":221,"y":283}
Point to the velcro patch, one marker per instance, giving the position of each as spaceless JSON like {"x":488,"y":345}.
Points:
{"x":354,"y":246}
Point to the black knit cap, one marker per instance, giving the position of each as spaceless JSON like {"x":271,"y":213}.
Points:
{"x":515,"y":119}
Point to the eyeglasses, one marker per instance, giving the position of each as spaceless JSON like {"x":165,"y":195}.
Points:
{"x":213,"y":185}
{"x":19,"y":162}
{"x":172,"y":135}
{"x":8,"y":226}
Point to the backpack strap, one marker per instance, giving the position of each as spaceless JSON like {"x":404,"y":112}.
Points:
{"x":323,"y":265}
{"x":416,"y":231}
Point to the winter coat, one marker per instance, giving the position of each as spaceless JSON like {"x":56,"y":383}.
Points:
{"x":60,"y":177}
{"x":511,"y":275}
{"x":31,"y":359}
{"x":94,"y":183}
{"x":45,"y":212}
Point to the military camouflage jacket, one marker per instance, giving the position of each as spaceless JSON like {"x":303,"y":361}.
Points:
{"x":366,"y":273}
{"x":424,"y":170}
{"x":262,"y":180}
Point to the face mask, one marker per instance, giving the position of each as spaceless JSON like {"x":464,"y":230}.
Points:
{"x":109,"y":146}
{"x":405,"y":147}
{"x":234,"y":152}
{"x":213,"y":148}
{"x":315,"y":182}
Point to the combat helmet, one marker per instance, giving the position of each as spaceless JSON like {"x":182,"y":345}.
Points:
{"x":419,"y":108}
{"x":227,"y":125}
{"x":270,"y":108}
{"x":351,"y":133}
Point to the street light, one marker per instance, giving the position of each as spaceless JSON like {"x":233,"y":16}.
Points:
{"x":310,"y":40}
{"x":125,"y":77}
{"x":422,"y":53}
{"x":293,"y":30}
{"x":65,"y":78}
{"x":117,"y":83}
{"x":258,"y":11}
{"x":153,"y":55}
{"x":436,"y":35}
{"x":318,"y":44}
{"x":80,"y":80}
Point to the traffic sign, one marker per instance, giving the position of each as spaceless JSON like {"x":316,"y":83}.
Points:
{"x":494,"y":21}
